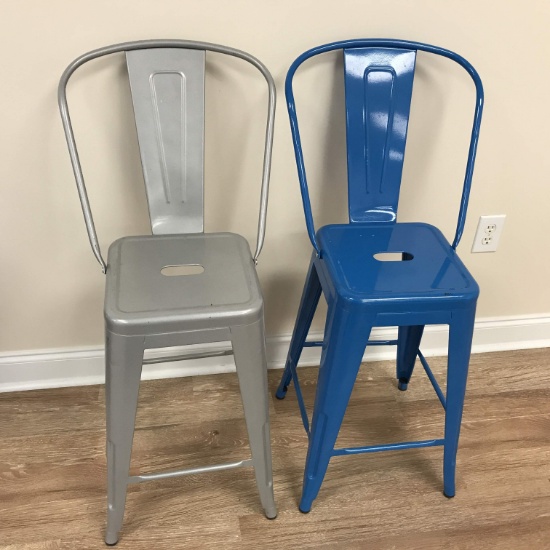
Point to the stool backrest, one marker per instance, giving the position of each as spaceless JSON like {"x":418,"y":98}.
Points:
{"x":378,"y":76}
{"x":167,"y":86}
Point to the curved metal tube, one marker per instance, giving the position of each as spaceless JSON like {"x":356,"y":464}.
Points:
{"x":383,"y":43}
{"x":145,"y":44}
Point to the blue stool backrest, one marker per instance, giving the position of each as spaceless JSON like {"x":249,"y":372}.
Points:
{"x":378,"y":97}
{"x":379,"y":76}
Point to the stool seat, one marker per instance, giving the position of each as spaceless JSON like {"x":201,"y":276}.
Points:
{"x":140,"y":299}
{"x":426,"y":268}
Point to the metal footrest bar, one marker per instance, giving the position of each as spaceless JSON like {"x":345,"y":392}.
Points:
{"x":183,"y":357}
{"x":390,"y":447}
{"x":316,"y":343}
{"x":432,"y":379}
{"x":190,"y":471}
{"x":312,"y":344}
{"x":382,"y":343}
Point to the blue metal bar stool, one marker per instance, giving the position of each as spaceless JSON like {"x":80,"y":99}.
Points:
{"x":179,"y":286}
{"x":428,"y":284}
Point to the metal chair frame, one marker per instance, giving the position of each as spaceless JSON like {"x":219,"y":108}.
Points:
{"x":379,"y":76}
{"x":218,"y":305}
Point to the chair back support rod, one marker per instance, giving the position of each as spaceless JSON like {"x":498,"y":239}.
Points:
{"x":145,"y":44}
{"x":395,"y":44}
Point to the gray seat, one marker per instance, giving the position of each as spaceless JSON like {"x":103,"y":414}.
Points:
{"x":139,"y":299}
{"x":178,"y":286}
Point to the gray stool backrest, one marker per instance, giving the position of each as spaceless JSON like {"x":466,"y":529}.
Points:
{"x":167,"y":83}
{"x":168,"y":95}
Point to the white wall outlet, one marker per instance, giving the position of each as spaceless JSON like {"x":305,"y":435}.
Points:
{"x":489,"y":230}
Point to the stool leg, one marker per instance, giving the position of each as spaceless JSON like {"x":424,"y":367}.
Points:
{"x":460,"y":343}
{"x":123,"y":361}
{"x":249,"y":349}
{"x":346,"y":336}
{"x":408,"y":342}
{"x":306,"y":311}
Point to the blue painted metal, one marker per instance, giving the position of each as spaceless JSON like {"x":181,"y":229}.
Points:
{"x":306,"y":311}
{"x":300,"y":398}
{"x":382,"y":343}
{"x":313,"y":344}
{"x":408,"y":341}
{"x":432,"y":378}
{"x":379,"y":44}
{"x":319,"y":344}
{"x":378,"y":97}
{"x":432,"y":287}
{"x":389,"y":447}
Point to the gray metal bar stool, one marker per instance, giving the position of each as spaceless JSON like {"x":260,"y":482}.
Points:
{"x":219,"y":300}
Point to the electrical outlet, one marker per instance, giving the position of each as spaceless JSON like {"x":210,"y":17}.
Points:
{"x":489,"y":230}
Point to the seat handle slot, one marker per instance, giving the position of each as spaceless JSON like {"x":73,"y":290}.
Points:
{"x":182,"y":269}
{"x":393,"y":256}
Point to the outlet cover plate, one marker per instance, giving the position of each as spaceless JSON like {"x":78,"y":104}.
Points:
{"x":489,"y":230}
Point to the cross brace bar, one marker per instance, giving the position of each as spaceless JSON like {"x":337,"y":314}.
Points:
{"x":390,"y":447}
{"x":190,"y":471}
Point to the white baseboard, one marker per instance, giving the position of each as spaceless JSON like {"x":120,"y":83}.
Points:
{"x":69,"y":367}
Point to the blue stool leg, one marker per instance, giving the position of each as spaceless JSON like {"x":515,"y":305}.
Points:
{"x":306,"y":311}
{"x":408,"y":342}
{"x":460,"y":343}
{"x":346,"y":336}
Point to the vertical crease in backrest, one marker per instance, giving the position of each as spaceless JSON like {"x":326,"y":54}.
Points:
{"x":169,"y":117}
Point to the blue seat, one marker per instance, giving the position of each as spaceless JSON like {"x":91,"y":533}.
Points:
{"x":374,"y":271}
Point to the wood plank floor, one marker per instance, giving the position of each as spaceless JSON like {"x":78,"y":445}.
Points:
{"x":52,"y":466}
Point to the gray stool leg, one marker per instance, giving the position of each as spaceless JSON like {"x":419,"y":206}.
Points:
{"x":123,"y":361}
{"x":250,"y":357}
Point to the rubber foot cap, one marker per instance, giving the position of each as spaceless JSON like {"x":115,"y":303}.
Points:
{"x":281,"y":394}
{"x":110,"y":539}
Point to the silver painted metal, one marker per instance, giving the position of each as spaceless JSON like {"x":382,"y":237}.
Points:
{"x":190,"y":471}
{"x":202,"y":355}
{"x":145,"y":309}
{"x":151,"y":44}
{"x":139,"y":300}
{"x":168,"y":95}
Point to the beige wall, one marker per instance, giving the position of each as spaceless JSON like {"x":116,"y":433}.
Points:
{"x":51,"y":286}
